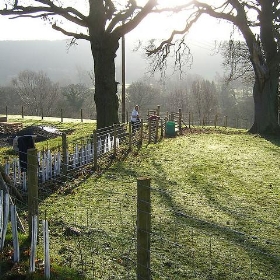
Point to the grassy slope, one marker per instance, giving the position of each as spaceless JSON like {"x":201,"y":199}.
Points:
{"x":218,"y":185}
{"x":223,"y":185}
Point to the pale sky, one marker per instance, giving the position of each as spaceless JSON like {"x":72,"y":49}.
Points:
{"x":153,"y":26}
{"x":202,"y":35}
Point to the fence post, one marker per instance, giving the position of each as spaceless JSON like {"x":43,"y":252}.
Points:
{"x":158,"y":110}
{"x":225,"y":122}
{"x":143,"y":228}
{"x":161,"y":128}
{"x":180,"y":121}
{"x":130,"y":135}
{"x":64,"y":154}
{"x":189,"y":120}
{"x":82,"y":115}
{"x":32,"y":183}
{"x":216,"y":120}
{"x":7,"y":112}
{"x":150,"y":130}
{"x":141,"y":132}
{"x":156,"y":133}
{"x":95,"y":150}
{"x":22,"y":116}
{"x":115,"y":140}
{"x":61,"y":115}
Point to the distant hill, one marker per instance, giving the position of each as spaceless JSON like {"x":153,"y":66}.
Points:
{"x":66,"y":65}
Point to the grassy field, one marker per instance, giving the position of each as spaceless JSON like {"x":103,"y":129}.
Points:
{"x":215,"y":211}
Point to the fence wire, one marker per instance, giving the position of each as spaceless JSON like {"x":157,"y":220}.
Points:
{"x":98,"y":239}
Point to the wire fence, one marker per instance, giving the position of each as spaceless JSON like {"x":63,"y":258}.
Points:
{"x":111,"y":237}
{"x":103,"y":145}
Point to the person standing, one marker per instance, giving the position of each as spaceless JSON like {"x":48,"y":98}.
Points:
{"x":135,"y":119}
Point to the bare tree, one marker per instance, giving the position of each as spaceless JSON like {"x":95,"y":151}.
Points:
{"x":258,"y":21}
{"x":177,"y":99}
{"x":237,"y":61}
{"x":36,"y":91}
{"x":102,"y":23}
{"x":143,"y":94}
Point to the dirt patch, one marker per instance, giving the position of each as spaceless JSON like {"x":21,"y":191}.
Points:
{"x":42,"y":133}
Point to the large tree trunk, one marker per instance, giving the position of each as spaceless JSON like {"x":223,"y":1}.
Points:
{"x":105,"y":97}
{"x":266,"y":106}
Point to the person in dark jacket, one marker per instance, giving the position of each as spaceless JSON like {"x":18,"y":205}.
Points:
{"x":24,"y":143}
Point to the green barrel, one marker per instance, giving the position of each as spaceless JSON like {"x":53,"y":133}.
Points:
{"x":170,"y":128}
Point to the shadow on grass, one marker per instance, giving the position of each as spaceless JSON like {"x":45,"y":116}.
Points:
{"x":275,"y":140}
{"x":244,"y":241}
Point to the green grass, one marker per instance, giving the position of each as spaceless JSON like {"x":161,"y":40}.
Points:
{"x":215,"y":211}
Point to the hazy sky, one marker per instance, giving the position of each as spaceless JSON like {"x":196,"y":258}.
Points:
{"x":205,"y":30}
{"x":202,"y":36}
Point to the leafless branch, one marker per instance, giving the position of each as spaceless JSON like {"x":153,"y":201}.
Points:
{"x":68,"y":13}
{"x":130,"y":25}
{"x":169,"y":41}
{"x":72,"y":34}
{"x":123,"y":15}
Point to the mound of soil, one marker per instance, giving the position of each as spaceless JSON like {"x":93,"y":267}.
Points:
{"x":42,"y":133}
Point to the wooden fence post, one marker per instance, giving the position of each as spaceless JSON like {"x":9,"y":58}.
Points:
{"x":156,"y":132}
{"x":225,"y":124}
{"x":82,"y":115}
{"x":64,"y":155}
{"x":189,"y":120}
{"x":180,"y":121}
{"x":95,"y":150}
{"x":216,"y":120}
{"x":22,"y":116}
{"x":115,"y":140}
{"x":161,"y":128}
{"x":32,"y":183}
{"x":192,"y":119}
{"x":141,"y":131}
{"x":61,"y":115}
{"x":130,"y":135}
{"x":158,"y":110}
{"x":150,"y":130}
{"x":143,"y":228}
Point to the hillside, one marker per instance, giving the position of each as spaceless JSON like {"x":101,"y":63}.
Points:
{"x":214,"y":211}
{"x":67,"y":65}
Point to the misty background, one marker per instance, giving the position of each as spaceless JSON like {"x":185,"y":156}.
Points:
{"x":63,"y":79}
{"x":63,"y":63}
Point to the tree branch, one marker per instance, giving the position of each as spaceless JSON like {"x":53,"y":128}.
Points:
{"x":50,"y":9}
{"x":71,"y":34}
{"x":130,"y":25}
{"x":176,"y":32}
{"x":123,"y":15}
